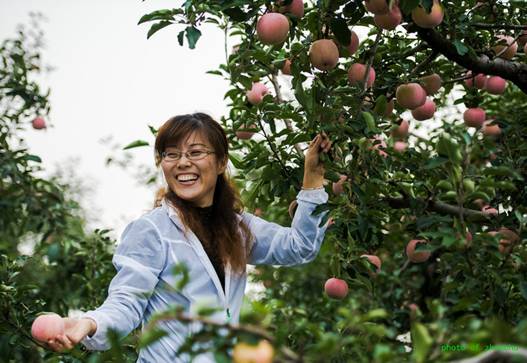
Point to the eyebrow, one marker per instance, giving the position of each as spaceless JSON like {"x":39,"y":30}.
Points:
{"x":191,"y":145}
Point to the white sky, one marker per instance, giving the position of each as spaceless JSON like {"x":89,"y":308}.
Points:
{"x":110,"y":80}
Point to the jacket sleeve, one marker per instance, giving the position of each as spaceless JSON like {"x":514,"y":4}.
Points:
{"x":298,"y":244}
{"x":138,"y":259}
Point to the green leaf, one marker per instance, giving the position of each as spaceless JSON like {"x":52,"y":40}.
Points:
{"x":220,"y":357}
{"x":236,"y":14}
{"x":34,"y":158}
{"x":136,"y":143}
{"x":153,"y":130}
{"x":376,"y":314}
{"x":408,"y":5}
{"x":380,"y":105}
{"x":435,"y":162}
{"x":353,"y":11}
{"x":180,"y":36}
{"x":341,"y":31}
{"x":421,"y":342}
{"x":150,"y":336}
{"x":370,"y":121}
{"x":447,"y":146}
{"x":460,"y":47}
{"x":157,"y":26}
{"x":181,"y":269}
{"x":164,"y":14}
{"x":193,"y":34}
{"x":523,"y":289}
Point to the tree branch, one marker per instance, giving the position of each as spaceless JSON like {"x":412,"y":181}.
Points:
{"x":499,"y":26}
{"x":288,"y":124}
{"x":440,"y":207}
{"x":237,"y":328}
{"x":513,"y":71}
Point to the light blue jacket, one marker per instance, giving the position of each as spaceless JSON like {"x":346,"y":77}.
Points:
{"x":151,"y":245}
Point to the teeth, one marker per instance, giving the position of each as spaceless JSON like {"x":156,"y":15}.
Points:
{"x":187,"y":177}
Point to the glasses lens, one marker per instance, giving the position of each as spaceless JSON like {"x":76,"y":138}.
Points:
{"x":196,"y":154}
{"x":171,"y":156}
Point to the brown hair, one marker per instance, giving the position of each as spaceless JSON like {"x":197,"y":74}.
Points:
{"x":224,"y":230}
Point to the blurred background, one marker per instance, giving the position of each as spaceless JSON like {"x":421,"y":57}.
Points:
{"x":108,"y":83}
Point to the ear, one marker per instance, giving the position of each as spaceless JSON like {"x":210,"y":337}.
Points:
{"x":223,"y":165}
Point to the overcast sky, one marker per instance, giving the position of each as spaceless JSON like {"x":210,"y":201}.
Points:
{"x":110,"y":80}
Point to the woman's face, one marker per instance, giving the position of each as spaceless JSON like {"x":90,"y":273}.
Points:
{"x":205,"y":172}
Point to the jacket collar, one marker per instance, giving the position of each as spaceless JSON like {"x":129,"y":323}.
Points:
{"x":174,"y":216}
{"x":193,"y":240}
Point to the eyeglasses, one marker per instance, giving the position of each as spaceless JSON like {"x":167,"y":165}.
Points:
{"x":192,"y":155}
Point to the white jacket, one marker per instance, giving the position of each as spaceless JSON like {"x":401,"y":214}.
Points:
{"x":151,"y":245}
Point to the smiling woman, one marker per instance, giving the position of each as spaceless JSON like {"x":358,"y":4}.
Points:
{"x":199,"y":222}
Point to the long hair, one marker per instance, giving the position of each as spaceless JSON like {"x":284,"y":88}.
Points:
{"x":225,"y":231}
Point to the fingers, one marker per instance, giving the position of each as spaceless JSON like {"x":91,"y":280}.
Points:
{"x":321,"y":142}
{"x":60,"y":343}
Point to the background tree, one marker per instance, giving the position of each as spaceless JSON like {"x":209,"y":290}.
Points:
{"x":48,"y":261}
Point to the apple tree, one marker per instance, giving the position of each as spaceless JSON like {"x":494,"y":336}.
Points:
{"x":425,"y":103}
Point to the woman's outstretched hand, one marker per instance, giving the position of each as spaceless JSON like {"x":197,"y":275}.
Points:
{"x":59,"y":339}
{"x":313,"y":167}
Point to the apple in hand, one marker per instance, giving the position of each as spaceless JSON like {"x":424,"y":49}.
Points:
{"x":47,"y":327}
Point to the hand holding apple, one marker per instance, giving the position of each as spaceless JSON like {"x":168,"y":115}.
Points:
{"x":61,"y":334}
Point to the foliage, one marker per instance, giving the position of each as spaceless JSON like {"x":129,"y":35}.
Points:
{"x":468,"y":291}
{"x":48,"y":262}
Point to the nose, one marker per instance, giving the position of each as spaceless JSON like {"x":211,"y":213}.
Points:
{"x":183,"y":161}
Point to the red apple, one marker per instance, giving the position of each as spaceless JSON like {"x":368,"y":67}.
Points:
{"x":286,"y":69}
{"x":479,"y":80}
{"x":377,"y":6}
{"x":38,"y":123}
{"x":257,"y":93}
{"x":425,"y":111}
{"x":324,"y":54}
{"x":272,"y":28}
{"x":400,"y":146}
{"x":431,"y":83}
{"x":375,"y":260}
{"x":428,"y":20}
{"x":410,"y":95}
{"x":356,"y":74}
{"x":46,"y":327}
{"x":336,"y":288}
{"x":495,"y":85}
{"x":491,"y":130}
{"x":474,"y":117}
{"x":245,"y":135}
{"x":401,"y":131}
{"x":417,"y":256}
{"x":508,"y":43}
{"x":295,"y":8}
{"x":354,"y":43}
{"x":390,"y":20}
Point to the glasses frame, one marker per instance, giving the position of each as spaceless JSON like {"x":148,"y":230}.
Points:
{"x":186,"y":153}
